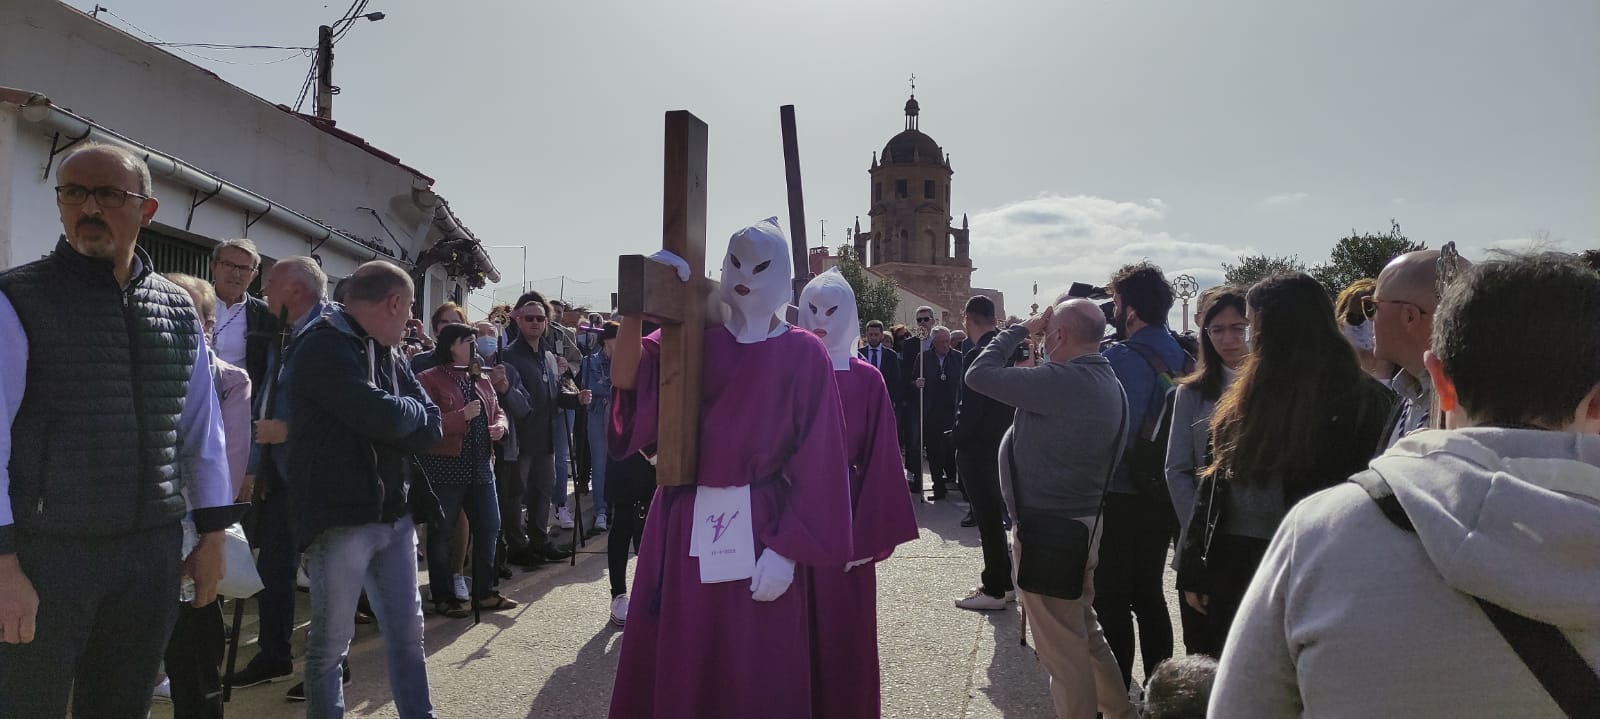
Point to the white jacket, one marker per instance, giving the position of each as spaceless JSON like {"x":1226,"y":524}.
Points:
{"x":1351,"y":616}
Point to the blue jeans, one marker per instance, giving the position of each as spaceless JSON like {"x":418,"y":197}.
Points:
{"x":383,"y":559}
{"x":483,"y":520}
{"x":564,"y":419}
{"x":599,"y":416}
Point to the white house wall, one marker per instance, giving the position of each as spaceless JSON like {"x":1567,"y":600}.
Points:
{"x":182,"y":110}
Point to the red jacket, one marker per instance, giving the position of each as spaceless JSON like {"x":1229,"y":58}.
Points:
{"x":443,"y":386}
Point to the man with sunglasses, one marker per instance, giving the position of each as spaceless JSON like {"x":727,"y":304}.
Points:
{"x":911,"y":349}
{"x":108,"y":403}
{"x":1401,"y":309}
{"x":534,"y":484}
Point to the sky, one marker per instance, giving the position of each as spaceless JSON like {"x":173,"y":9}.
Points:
{"x":1083,"y":135}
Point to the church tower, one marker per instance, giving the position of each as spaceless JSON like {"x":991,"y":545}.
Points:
{"x":911,"y":238}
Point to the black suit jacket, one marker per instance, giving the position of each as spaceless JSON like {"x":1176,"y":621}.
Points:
{"x":910,"y":349}
{"x":261,"y":334}
{"x":981,"y":421}
{"x":889,"y":366}
{"x":940,"y":396}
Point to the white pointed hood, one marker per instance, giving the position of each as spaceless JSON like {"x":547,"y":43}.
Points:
{"x":1508,"y":515}
{"x":828,"y":309}
{"x":758,"y":261}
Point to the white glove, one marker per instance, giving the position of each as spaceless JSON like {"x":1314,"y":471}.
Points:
{"x":857,"y":563}
{"x":674,"y":261}
{"x":774,"y":574}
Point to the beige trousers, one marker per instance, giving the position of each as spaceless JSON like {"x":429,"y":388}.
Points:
{"x":1066,"y":635}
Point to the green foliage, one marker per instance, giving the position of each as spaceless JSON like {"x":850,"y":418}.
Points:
{"x":1255,"y":268}
{"x":1362,"y":256}
{"x":876,"y":299}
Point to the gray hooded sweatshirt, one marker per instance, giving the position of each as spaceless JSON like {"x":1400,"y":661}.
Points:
{"x":1351,"y":616}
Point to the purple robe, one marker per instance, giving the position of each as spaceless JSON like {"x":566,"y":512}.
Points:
{"x":845,"y":604}
{"x":770,"y":417}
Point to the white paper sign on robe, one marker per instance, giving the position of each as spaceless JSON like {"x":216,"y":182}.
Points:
{"x":722,"y":536}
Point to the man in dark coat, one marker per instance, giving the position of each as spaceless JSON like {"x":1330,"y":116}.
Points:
{"x":941,"y":391}
{"x":981,"y":422}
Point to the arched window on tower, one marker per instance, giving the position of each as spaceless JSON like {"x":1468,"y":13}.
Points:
{"x":929,"y":190}
{"x":901,"y":190}
{"x":877,"y":192}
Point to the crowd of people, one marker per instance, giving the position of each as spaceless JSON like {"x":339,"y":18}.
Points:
{"x":1381,"y":502}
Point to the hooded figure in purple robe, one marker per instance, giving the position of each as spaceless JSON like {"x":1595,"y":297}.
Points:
{"x":699,"y":644}
{"x":845,"y":682}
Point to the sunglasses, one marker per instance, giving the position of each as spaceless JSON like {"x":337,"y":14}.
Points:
{"x":1369,"y":306}
{"x":924,"y":320}
{"x":533,"y":318}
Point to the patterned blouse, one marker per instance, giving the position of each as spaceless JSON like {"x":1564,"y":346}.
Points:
{"x":475,"y":465}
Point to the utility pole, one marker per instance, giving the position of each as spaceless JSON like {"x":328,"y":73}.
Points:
{"x":325,"y":73}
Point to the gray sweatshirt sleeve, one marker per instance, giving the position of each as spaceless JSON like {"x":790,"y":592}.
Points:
{"x":1015,"y":386}
{"x":1257,"y":677}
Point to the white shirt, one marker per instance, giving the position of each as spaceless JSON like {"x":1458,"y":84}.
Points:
{"x":228,"y":336}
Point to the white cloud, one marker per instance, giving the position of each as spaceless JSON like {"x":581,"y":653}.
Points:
{"x":1056,"y":240}
{"x":1287,"y":199}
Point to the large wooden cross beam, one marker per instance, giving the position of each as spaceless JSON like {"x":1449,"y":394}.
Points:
{"x":652,"y":290}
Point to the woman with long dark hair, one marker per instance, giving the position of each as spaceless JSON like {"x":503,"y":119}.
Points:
{"x":460,"y":469}
{"x":1222,"y":350}
{"x":1301,"y":417}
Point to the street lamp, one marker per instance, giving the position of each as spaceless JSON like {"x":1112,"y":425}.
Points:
{"x":524,"y":249}
{"x":325,"y":37}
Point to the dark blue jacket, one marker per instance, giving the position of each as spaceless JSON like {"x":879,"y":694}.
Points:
{"x":1139,"y":381}
{"x":354,"y":431}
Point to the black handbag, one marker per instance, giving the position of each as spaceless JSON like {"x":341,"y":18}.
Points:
{"x":1053,"y":551}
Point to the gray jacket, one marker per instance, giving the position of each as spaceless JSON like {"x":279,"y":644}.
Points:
{"x":1067,"y":421}
{"x":1351,"y":616}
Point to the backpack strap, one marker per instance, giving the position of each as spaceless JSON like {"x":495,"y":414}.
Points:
{"x":1547,"y":653}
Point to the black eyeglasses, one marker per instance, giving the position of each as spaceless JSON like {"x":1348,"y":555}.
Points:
{"x":104,"y":196}
{"x":924,"y":320}
{"x":1369,"y":306}
{"x":231,"y":267}
{"x":534,"y":318}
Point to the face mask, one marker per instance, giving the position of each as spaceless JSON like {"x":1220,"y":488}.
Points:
{"x":828,"y":308}
{"x":486,"y":346}
{"x":1360,"y":335}
{"x":758,"y":262}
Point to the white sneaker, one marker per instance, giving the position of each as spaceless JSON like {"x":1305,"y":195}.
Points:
{"x":564,"y":518}
{"x":163,"y":692}
{"x":461,"y":588}
{"x":600,"y":521}
{"x":619,"y":609}
{"x":977,"y":601}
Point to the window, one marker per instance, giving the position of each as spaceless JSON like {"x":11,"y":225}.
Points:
{"x":877,"y":192}
{"x":928,"y":191}
{"x":900,"y":190}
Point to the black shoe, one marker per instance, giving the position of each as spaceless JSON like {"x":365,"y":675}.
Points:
{"x":526,"y":558}
{"x":254,"y":674}
{"x":554,"y":553}
{"x":503,"y":572}
{"x":297,"y":693}
{"x":969,"y":520}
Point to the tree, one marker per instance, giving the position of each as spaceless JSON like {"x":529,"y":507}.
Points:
{"x":1362,"y":256}
{"x":876,"y":299}
{"x":1256,"y":268}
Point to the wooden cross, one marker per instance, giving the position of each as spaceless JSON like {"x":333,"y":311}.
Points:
{"x":652,"y":290}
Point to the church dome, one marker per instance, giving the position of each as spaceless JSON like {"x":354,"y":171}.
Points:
{"x":912,"y":146}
